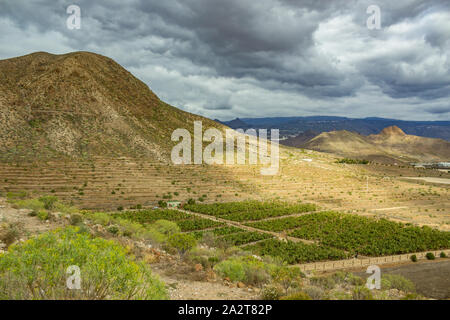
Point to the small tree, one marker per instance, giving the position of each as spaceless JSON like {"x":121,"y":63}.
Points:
{"x":288,"y":276}
{"x":182,"y":242}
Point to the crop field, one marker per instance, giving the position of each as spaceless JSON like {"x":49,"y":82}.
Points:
{"x":250,"y":210}
{"x":336,"y":235}
{"x":185,"y":221}
{"x":368,"y":236}
{"x":296,"y":252}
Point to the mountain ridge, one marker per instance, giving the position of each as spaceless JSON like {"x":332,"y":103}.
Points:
{"x":82,"y":104}
{"x":391,"y":145}
{"x":293,"y":126}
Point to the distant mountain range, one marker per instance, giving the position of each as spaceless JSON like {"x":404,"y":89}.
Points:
{"x":293,"y":126}
{"x":390,"y":146}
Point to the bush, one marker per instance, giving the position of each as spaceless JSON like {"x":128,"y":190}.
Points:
{"x":43,"y":215}
{"x":271,"y":292}
{"x":413,"y":258}
{"x":113,"y":229}
{"x":100,"y":217}
{"x":430,"y":256}
{"x":37,"y":269}
{"x":297,"y":296}
{"x":315,"y":293}
{"x":246,"y":269}
{"x":288,"y":277}
{"x":75,"y":219}
{"x":162,"y":204}
{"x":232,"y":269}
{"x":324,"y":282}
{"x":362,"y":293}
{"x":48,"y":201}
{"x":394,"y":281}
{"x":166,"y":227}
{"x":33,"y":204}
{"x":9,"y":232}
{"x":182,"y":242}
{"x":16,"y":195}
{"x":443,"y":255}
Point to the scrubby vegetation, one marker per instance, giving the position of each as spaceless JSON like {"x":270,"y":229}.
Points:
{"x":37,"y":269}
{"x":352,"y":161}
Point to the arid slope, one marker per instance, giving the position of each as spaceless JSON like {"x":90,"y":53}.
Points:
{"x":82,"y":105}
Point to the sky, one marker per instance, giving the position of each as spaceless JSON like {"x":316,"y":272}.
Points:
{"x":245,"y":58}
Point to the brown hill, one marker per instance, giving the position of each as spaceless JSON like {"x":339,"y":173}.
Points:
{"x":391,"y":145}
{"x":82,"y":105}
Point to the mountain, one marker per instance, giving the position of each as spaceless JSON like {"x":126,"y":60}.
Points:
{"x":301,"y":139}
{"x":82,"y":105}
{"x":391,"y":145}
{"x":293,"y":126}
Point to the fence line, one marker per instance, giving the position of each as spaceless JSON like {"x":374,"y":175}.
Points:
{"x":365,"y":262}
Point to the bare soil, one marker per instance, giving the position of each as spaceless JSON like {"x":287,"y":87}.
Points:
{"x":431,"y":278}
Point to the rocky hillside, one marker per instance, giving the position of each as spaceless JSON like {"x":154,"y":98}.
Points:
{"x":81,"y":105}
{"x":391,"y":145}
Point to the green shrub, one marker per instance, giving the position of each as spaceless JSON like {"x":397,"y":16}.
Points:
{"x":362,"y":293}
{"x":182,"y":242}
{"x":33,"y":204}
{"x":119,"y":208}
{"x":75,"y":219}
{"x":162,"y":204}
{"x":288,"y":277}
{"x":100,"y":217}
{"x":166,"y":227}
{"x":430,"y":256}
{"x":413,"y":258}
{"x":246,"y":269}
{"x":324,"y":282}
{"x":48,"y":201}
{"x":443,"y":255}
{"x":113,"y":229}
{"x":271,"y":292}
{"x":297,"y":296}
{"x":16,"y":195}
{"x":37,"y":269}
{"x":394,"y":281}
{"x":43,"y":215}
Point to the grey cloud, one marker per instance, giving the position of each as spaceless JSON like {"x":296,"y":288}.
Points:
{"x":267,"y":57}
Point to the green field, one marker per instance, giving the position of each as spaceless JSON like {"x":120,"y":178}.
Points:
{"x":337,"y":235}
{"x":250,"y":210}
{"x":367,"y":236}
{"x":296,"y":252}
{"x":185,"y":221}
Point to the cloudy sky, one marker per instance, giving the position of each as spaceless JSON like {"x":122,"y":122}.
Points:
{"x":247,"y":58}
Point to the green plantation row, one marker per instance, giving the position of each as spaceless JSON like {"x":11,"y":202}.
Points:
{"x":250,"y":210}
{"x":368,"y":236}
{"x":296,"y":252}
{"x":185,"y":221}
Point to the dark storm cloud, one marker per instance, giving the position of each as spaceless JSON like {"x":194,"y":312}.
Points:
{"x":255,"y":58}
